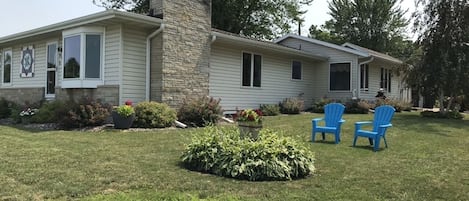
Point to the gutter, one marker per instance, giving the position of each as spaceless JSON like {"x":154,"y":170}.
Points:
{"x":359,"y":74}
{"x":147,"y":62}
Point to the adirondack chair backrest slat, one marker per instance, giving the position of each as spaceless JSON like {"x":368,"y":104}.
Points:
{"x":333,"y":114}
{"x":383,"y":116}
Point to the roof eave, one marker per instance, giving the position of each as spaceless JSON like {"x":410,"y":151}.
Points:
{"x":96,"y":17}
{"x":322,"y":43}
{"x":270,"y":46}
{"x":388,"y":58}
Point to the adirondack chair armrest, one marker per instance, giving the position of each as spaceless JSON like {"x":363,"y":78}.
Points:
{"x":359,"y":124}
{"x":385,"y":125}
{"x":341,"y":122}
{"x":363,"y":122}
{"x":317,"y":119}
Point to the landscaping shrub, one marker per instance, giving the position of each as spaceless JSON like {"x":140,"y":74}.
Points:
{"x":442,"y":115}
{"x":270,"y":109}
{"x":397,"y":104}
{"x":220,"y":151}
{"x":5,"y":108}
{"x":291,"y":106}
{"x":153,"y":115}
{"x":318,"y":106}
{"x":357,"y":107}
{"x":200,"y":112}
{"x":86,"y":112}
{"x":47,"y":113}
{"x":20,"y":111}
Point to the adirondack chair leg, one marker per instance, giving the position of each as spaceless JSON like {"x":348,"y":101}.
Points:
{"x":385,"y":143}
{"x":323,"y":136}
{"x":313,"y":135}
{"x":371,"y":140}
{"x":354,"y":140}
{"x":337,"y":138}
{"x":376,"y":146}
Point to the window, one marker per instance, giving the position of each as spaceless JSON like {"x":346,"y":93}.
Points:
{"x":7,"y":63}
{"x":364,"y":76}
{"x":82,"y":57}
{"x":51,"y":69}
{"x":386,"y":75}
{"x":251,"y":70}
{"x":72,"y":57}
{"x":296,"y":70}
{"x":339,"y":77}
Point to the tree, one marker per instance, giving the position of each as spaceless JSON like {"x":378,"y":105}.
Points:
{"x":136,"y":6}
{"x":323,"y":33}
{"x":259,"y":19}
{"x":443,"y":70}
{"x":375,"y":24}
{"x":265,"y":19}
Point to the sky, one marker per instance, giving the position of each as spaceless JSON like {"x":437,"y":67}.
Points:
{"x":23,"y":15}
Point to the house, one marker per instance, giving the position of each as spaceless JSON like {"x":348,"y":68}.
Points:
{"x":174,"y":54}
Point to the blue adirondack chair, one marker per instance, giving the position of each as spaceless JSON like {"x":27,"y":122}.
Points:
{"x":332,"y":121}
{"x":382,"y":121}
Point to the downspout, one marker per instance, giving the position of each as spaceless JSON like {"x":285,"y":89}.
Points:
{"x":148,"y":63}
{"x":213,"y":39}
{"x":359,"y":74}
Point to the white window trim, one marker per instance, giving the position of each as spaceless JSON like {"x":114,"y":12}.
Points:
{"x":252,"y":70}
{"x":291,"y":70}
{"x":329,"y":77}
{"x":11,"y":67}
{"x":83,"y":82}
{"x":46,"y":95}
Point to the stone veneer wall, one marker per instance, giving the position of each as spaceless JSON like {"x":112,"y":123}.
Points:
{"x":107,"y":94}
{"x":185,"y":49}
{"x":156,"y":74}
{"x":23,"y":95}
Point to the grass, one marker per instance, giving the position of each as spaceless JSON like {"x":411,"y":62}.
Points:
{"x":427,"y":159}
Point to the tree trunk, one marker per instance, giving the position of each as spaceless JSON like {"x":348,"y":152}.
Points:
{"x":450,"y":103}
{"x":441,"y":99}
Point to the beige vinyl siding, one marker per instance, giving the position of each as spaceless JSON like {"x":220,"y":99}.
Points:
{"x":133,"y":65}
{"x":375,"y":79}
{"x":112,"y":55}
{"x":39,"y":78}
{"x":321,"y":79}
{"x":276,"y":82}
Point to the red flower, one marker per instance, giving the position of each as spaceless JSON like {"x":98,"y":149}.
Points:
{"x":128,"y":102}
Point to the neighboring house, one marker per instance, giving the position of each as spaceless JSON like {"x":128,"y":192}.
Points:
{"x":115,"y":56}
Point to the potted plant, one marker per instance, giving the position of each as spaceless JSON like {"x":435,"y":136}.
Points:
{"x":123,"y":116}
{"x":249,"y":123}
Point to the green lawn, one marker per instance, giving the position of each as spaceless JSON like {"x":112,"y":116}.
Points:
{"x":427,"y":159}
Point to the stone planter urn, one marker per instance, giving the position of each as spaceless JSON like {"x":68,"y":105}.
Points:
{"x":249,"y":129}
{"x":122,"y":122}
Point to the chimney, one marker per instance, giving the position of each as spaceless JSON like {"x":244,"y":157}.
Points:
{"x":185,"y":50}
{"x":156,"y":7}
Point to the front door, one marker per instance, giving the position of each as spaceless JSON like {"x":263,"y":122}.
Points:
{"x":51,"y":69}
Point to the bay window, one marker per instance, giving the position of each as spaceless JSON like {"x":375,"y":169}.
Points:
{"x":82,"y":58}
